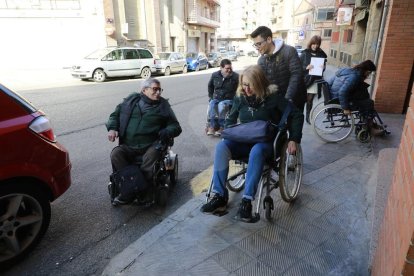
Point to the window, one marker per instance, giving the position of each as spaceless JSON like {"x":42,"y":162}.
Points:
{"x":130,"y":54}
{"x":333,"y":53}
{"x":114,"y":55}
{"x":347,"y":38}
{"x":144,"y":53}
{"x":325,"y":14}
{"x":327,"y":33}
{"x":335,"y":37}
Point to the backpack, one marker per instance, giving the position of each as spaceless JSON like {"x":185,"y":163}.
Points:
{"x":128,"y":182}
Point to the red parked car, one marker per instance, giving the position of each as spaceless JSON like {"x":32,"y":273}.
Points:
{"x":34,"y":170}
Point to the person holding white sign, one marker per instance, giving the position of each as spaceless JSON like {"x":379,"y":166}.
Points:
{"x":313,"y":60}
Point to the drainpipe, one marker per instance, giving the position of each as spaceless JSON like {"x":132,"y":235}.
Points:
{"x":379,"y":43}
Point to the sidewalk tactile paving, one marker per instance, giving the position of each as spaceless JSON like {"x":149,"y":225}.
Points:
{"x":255,"y":244}
{"x":209,"y":267}
{"x":255,"y":268}
{"x":320,"y":205}
{"x":277,"y":259}
{"x":232,"y":258}
{"x":302,"y":268}
{"x":313,"y":234}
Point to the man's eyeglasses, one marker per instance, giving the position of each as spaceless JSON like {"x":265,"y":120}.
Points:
{"x":257,"y":45}
{"x":156,"y":89}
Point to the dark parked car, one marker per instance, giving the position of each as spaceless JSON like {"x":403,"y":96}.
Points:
{"x":34,"y":171}
{"x":196,"y":61}
{"x":214,"y":59}
{"x":253,"y":54}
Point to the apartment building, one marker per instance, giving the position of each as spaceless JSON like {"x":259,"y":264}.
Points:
{"x":163,"y":25}
{"x":313,"y":17}
{"x":350,"y":38}
{"x":49,"y":34}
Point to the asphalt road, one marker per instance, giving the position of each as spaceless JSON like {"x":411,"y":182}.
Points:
{"x":85,"y":230}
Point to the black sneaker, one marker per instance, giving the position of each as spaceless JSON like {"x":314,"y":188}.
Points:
{"x":216,"y":204}
{"x":245,"y":210}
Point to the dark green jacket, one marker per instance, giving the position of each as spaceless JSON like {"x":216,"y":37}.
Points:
{"x":271,"y":109}
{"x":141,"y":130}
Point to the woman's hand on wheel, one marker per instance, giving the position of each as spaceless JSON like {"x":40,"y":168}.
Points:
{"x":112,"y":135}
{"x":291,"y":147}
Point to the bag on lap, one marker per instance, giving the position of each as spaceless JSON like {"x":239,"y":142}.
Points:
{"x":129,"y":182}
{"x":253,"y":132}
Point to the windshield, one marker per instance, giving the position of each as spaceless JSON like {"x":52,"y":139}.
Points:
{"x":98,"y":53}
{"x":211,"y":55}
{"x":191,"y":55}
{"x":164,"y":55}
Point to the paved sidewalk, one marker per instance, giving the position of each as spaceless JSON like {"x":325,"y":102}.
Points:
{"x":327,"y":231}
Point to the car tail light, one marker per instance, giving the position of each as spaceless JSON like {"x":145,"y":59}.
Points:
{"x":41,"y":126}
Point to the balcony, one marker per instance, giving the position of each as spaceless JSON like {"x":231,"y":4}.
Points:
{"x":204,"y":21}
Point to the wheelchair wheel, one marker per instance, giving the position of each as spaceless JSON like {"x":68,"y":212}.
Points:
{"x":290,"y":173}
{"x":268,"y":206}
{"x":332,"y":125}
{"x":174,"y":172}
{"x":237,"y":172}
{"x":315,"y":110}
{"x":364,"y":136}
{"x":162,"y":197}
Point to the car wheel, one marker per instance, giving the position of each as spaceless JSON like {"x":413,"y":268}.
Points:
{"x":184,"y":69}
{"x":197,"y":68}
{"x":24,"y":219}
{"x":145,"y":73}
{"x":99,"y":75}
{"x":167,"y":71}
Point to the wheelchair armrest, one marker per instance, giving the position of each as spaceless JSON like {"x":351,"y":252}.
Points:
{"x":281,"y":137}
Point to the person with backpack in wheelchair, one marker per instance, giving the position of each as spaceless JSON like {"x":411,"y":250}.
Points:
{"x":256,"y":100}
{"x":222,"y":88}
{"x":141,"y":122}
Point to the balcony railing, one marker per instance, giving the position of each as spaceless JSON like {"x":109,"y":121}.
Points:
{"x":200,"y":20}
{"x":209,"y":16}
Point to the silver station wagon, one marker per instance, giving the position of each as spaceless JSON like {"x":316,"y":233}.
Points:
{"x":115,"y":62}
{"x":171,"y":62}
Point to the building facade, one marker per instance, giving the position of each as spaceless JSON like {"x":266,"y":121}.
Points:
{"x":49,"y":34}
{"x":163,"y":25}
{"x":313,"y":17}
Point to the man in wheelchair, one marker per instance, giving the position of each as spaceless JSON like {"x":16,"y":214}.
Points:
{"x":140,"y":122}
{"x":256,"y":99}
{"x":221,"y":91}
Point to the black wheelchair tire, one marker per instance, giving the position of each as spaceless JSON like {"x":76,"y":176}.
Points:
{"x":364,"y":136}
{"x":237,"y":184}
{"x":162,"y":197}
{"x":174,"y":172}
{"x":289,"y":194}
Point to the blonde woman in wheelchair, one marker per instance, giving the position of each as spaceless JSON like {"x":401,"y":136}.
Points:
{"x":256,"y":99}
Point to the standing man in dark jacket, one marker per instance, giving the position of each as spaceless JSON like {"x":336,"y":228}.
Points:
{"x":281,"y":65}
{"x":139,"y":122}
{"x":221,"y":91}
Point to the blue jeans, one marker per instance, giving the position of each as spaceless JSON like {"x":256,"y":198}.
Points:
{"x":218,"y":108}
{"x":227,"y":150}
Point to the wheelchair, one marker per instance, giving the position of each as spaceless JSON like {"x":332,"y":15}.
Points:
{"x":165,"y":177}
{"x":331,"y":124}
{"x":279,"y":172}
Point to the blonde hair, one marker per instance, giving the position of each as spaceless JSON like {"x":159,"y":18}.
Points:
{"x":258,"y":81}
